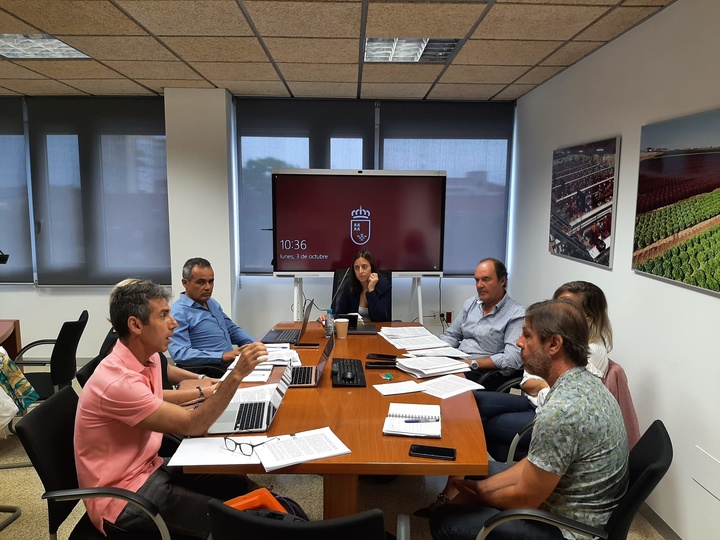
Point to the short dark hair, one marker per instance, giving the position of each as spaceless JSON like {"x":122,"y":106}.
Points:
{"x":564,"y":318}
{"x":500,"y":270}
{"x":192,"y":263}
{"x":131,"y":298}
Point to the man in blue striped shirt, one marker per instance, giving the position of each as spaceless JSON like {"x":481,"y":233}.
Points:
{"x":489,"y":324}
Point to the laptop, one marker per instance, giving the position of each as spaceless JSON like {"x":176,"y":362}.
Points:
{"x":289,"y":335}
{"x":356,"y":327}
{"x":253,"y":409}
{"x":309,"y":376}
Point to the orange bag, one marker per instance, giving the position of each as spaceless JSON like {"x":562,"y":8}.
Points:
{"x":260,"y":498}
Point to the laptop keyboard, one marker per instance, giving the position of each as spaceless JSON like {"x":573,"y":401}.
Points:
{"x":287,"y":336}
{"x":348,"y":365}
{"x":302,"y":375}
{"x":250,"y":416}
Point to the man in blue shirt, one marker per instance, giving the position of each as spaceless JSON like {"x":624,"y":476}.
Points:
{"x":205,"y":334}
{"x":489,"y":323}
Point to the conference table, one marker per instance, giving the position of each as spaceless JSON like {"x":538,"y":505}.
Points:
{"x":356,"y":416}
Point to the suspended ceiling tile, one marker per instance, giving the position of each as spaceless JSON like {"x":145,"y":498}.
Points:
{"x":13,"y":25}
{"x":237,"y":71}
{"x":482,"y":74}
{"x":120,"y":48}
{"x":562,"y":2}
{"x":109,"y":87}
{"x":70,"y":69}
{"x":8,"y":70}
{"x":44,"y":87}
{"x":255,"y":88}
{"x":422,"y":19}
{"x":499,"y":53}
{"x":159,"y":86}
{"x":74,"y":17}
{"x":217,"y":49}
{"x":647,"y":2}
{"x":541,"y":22}
{"x":6,"y":92}
{"x":332,"y":73}
{"x":154,"y":70}
{"x":400,"y":72}
{"x":616,"y":22}
{"x":323,"y":51}
{"x":539,"y":75}
{"x":393,"y":91}
{"x":571,"y":52}
{"x":182,"y":18}
{"x":306,"y":19}
{"x":475,"y":92}
{"x":301,"y":89}
{"x":514,"y":91}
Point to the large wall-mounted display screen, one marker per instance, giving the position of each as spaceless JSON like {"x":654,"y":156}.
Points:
{"x":321,"y":218}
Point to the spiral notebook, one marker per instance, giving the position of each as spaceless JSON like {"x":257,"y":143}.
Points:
{"x":413,"y":420}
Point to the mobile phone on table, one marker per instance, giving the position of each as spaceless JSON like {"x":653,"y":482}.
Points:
{"x":307,"y":345}
{"x":378,"y":356}
{"x":433,"y":452}
{"x":380,"y":365}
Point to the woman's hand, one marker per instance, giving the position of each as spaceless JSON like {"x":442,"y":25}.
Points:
{"x":372,"y":281}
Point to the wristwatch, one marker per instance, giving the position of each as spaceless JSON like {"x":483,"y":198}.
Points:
{"x":201,"y":376}
{"x":473,"y":364}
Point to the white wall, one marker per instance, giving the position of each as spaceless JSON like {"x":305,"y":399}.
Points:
{"x":664,"y":333}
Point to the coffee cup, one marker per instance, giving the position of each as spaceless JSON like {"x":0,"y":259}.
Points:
{"x":341,"y":328}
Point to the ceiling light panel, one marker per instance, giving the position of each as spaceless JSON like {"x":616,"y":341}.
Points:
{"x":415,"y":50}
{"x":29,"y":46}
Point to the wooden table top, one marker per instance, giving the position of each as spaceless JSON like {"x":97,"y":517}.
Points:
{"x":356,"y":416}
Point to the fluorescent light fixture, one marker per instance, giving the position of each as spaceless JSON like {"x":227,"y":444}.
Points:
{"x":34,"y":46}
{"x":419,"y":50}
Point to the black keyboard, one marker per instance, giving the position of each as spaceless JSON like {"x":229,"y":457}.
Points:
{"x":287,"y":336}
{"x":250,"y":416}
{"x":302,"y":375}
{"x":342,"y":366}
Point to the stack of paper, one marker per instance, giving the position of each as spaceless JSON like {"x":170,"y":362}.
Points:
{"x":413,"y":420}
{"x":411,"y":337}
{"x":431,"y":366}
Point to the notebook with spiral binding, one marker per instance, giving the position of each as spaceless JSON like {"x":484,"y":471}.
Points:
{"x":413,"y":420}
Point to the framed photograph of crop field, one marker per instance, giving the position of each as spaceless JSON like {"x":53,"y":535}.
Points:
{"x":677,"y":221}
{"x":582,"y":204}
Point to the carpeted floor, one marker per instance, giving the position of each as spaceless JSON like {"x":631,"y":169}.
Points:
{"x":21,"y":487}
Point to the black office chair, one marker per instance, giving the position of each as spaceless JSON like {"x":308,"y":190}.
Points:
{"x":63,"y":359}
{"x":225,"y":522}
{"x":496,"y":379}
{"x":340,"y":281}
{"x":649,"y":460}
{"x":46,"y":433}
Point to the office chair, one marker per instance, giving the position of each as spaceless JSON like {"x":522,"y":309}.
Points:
{"x":649,"y":460}
{"x":63,"y":359}
{"x":340,"y":281}
{"x":47,"y":436}
{"x":494,"y":379}
{"x":225,"y":522}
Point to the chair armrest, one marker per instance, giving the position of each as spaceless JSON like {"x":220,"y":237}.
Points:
{"x":516,"y":440}
{"x":539,"y":515}
{"x":508,"y":385}
{"x":131,"y":497}
{"x":18,"y":357}
{"x":403,"y":527}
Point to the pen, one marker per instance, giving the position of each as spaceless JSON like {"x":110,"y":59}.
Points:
{"x":421,"y":420}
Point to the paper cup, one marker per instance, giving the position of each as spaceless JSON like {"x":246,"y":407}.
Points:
{"x":341,"y":328}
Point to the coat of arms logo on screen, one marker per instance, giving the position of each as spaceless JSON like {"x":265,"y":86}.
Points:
{"x":360,"y":226}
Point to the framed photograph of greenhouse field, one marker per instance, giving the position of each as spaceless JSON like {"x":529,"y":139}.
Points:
{"x":582,"y":204}
{"x":677,"y":220}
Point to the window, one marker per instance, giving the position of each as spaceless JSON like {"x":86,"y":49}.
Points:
{"x":346,"y":153}
{"x":99,"y":190}
{"x":14,"y":208}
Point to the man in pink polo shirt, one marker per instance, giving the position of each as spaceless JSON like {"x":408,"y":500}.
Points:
{"x":121,"y":417}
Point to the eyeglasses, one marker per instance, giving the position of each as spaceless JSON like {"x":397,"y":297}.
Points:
{"x":246,"y":448}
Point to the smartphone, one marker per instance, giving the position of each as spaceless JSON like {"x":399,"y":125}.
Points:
{"x":307,"y":345}
{"x":380,"y":365}
{"x":433,"y":452}
{"x":378,"y":356}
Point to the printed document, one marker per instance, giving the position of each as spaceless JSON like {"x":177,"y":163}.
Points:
{"x":301,"y":447}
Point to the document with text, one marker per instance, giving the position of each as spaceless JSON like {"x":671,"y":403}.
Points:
{"x":300,"y":447}
{"x":449,"y":386}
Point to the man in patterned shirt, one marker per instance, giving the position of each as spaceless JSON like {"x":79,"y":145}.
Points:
{"x":577,"y":463}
